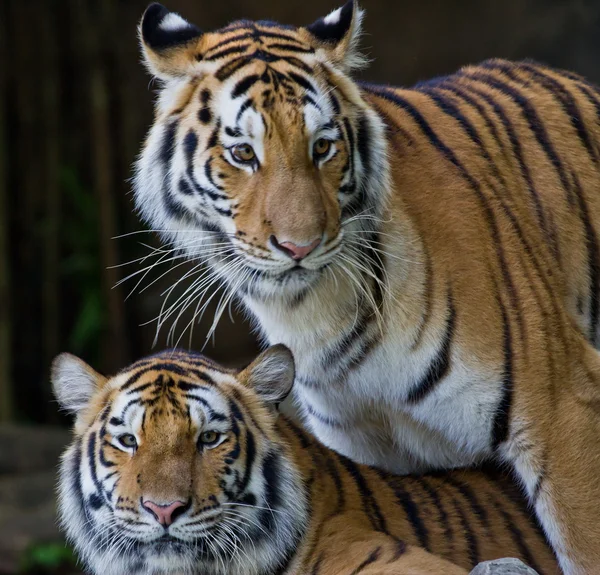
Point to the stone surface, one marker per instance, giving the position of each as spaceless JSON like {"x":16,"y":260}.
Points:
{"x":507,"y":566}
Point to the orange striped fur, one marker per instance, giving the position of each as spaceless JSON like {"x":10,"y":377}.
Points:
{"x":430,"y":254}
{"x":343,"y":517}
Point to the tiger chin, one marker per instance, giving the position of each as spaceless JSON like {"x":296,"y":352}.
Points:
{"x":178,"y":465}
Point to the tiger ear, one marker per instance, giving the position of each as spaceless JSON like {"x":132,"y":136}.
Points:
{"x":338,"y":34}
{"x":74,"y":382}
{"x":169,"y":43}
{"x":271,"y":374}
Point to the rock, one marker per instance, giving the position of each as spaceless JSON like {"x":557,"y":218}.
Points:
{"x":24,"y":448}
{"x":508,"y":566}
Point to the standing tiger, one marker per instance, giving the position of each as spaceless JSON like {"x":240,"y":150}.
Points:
{"x":179,"y":466}
{"x":430,"y":255}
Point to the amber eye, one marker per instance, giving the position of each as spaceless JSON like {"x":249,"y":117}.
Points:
{"x":128,"y":440}
{"x":208,"y":438}
{"x":243,"y":153}
{"x":321,"y":148}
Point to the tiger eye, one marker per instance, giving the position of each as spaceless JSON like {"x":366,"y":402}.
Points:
{"x":209,"y":437}
{"x":127,"y":440}
{"x":243,"y":153}
{"x":321,"y":147}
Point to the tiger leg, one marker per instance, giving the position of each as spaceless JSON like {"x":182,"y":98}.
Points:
{"x":351,"y":547}
{"x":554,"y":446}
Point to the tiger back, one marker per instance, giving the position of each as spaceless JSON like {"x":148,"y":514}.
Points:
{"x":178,"y":465}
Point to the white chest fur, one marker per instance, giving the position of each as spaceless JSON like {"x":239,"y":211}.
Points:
{"x":363,"y":410}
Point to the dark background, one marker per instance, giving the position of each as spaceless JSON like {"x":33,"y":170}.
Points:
{"x":75,"y":104}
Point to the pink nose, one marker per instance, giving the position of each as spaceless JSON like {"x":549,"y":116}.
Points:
{"x":296,"y":252}
{"x":164,"y":514}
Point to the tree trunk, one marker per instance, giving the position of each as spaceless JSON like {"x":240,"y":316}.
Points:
{"x":51,"y":247}
{"x":6,"y":398}
{"x":96,"y":27}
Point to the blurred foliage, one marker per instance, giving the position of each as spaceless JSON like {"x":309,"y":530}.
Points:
{"x":48,"y":559}
{"x":81,"y":266}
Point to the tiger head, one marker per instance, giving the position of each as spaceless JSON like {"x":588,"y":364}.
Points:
{"x":176,"y":466}
{"x":264,"y":157}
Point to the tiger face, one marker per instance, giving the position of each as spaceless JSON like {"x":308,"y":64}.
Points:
{"x":263,"y":154}
{"x":176,"y":466}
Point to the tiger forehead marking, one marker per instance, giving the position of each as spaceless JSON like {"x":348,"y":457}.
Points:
{"x":260,"y":146}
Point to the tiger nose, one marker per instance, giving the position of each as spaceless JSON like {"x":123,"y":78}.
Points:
{"x":293,"y":250}
{"x":166,"y":513}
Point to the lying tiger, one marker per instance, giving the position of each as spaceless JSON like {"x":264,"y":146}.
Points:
{"x":178,"y":465}
{"x":430,"y":255}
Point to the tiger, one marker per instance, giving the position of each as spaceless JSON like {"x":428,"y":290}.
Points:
{"x":179,"y":465}
{"x":429,"y":254}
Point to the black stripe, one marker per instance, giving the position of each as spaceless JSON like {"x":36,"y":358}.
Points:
{"x":411,"y":509}
{"x":103,"y":461}
{"x":452,"y":110}
{"x":75,"y":479}
{"x":478,"y":509}
{"x":517,"y":150}
{"x":271,"y":471}
{"x":534,"y":121}
{"x":229,"y":69}
{"x":473,"y":183}
{"x":440,"y":365}
{"x":247,"y":104}
{"x":249,"y":464}
{"x":317,"y":565}
{"x":500,"y":425}
{"x":291,"y":48}
{"x":593,"y":256}
{"x":209,"y":174}
{"x":363,"y":139}
{"x":434,"y":495}
{"x":91,"y":458}
{"x":161,"y":366}
{"x":306,"y":99}
{"x":302,"y":81}
{"x":230,"y":40}
{"x":244,"y":85}
{"x":141,"y":388}
{"x":277,"y":35}
{"x":589,"y":95}
{"x":184,"y":187}
{"x":167,"y":150}
{"x":190,"y":144}
{"x":341,"y":348}
{"x":518,"y":538}
{"x":214,"y":137}
{"x":469,"y":535}
{"x":324,"y":419}
{"x":190,"y":386}
{"x":466,"y":97}
{"x":227,"y":52}
{"x":568,"y":104}
{"x":373,"y":556}
{"x":368,"y":499}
